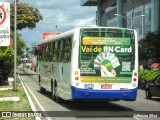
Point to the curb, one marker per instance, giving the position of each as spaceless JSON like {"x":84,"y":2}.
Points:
{"x":16,"y":99}
{"x":2,"y":89}
{"x":29,"y":98}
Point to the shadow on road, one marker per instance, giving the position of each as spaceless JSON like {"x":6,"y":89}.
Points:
{"x":157,"y":99}
{"x":90,"y":105}
{"x":94,"y":106}
{"x":28,"y":74}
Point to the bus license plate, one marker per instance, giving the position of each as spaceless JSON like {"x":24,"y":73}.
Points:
{"x":106,"y":86}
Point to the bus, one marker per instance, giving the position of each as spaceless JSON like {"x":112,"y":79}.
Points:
{"x":90,"y":63}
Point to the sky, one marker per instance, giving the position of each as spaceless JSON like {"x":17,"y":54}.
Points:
{"x":65,"y":14}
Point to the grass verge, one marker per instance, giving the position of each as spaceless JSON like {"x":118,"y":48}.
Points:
{"x":22,"y":105}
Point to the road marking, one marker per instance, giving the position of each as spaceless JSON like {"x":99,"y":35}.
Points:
{"x":29,"y":98}
{"x":136,"y":118}
{"x":41,"y":107}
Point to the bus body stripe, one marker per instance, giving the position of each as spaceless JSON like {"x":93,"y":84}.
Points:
{"x":104,"y":94}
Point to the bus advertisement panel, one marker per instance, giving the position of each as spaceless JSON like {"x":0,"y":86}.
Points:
{"x":107,"y":56}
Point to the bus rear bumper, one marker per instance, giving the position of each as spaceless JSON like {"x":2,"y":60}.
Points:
{"x":78,"y":93}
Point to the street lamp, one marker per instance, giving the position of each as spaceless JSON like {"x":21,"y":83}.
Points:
{"x":122,"y":17}
{"x":132,"y":19}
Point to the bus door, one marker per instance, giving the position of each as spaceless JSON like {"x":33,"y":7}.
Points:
{"x":66,"y":60}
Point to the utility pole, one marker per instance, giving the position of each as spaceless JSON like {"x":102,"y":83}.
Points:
{"x":15,"y":45}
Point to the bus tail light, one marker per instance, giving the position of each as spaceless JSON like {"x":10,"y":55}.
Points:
{"x":134,"y":79}
{"x":76,"y":78}
{"x":135,"y":74}
{"x":76,"y":73}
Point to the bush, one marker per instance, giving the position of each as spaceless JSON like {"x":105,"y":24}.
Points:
{"x":7,"y":62}
{"x":148,"y":75}
{"x":6,"y":54}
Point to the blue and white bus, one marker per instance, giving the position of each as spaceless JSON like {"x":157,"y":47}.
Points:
{"x":90,"y":63}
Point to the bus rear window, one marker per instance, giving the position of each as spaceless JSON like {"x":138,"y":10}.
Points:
{"x":108,"y":50}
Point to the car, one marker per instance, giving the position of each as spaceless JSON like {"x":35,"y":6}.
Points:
{"x":153,"y":88}
{"x":28,"y":63}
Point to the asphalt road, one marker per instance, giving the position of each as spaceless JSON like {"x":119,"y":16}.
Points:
{"x":141,"y":109}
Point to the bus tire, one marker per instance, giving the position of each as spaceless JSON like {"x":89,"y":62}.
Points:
{"x":42,"y":90}
{"x":53,"y":90}
{"x":39,"y":79}
{"x":57,"y":98}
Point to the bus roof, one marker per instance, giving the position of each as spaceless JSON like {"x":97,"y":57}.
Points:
{"x":70,"y":32}
{"x":57,"y":37}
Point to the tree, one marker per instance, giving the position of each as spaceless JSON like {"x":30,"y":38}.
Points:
{"x":6,"y":54}
{"x":143,"y":50}
{"x":27,"y":16}
{"x":20,"y":43}
{"x":149,"y":47}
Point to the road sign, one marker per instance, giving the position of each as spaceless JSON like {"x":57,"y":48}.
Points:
{"x":4,"y":23}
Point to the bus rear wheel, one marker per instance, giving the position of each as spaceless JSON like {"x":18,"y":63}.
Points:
{"x":55,"y":96}
{"x":57,"y":99}
{"x":42,"y":90}
{"x":53,"y":90}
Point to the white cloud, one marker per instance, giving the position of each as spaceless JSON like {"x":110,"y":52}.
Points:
{"x":65,"y":14}
{"x":84,"y":22}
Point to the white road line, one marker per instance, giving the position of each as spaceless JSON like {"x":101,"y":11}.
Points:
{"x":29,"y":98}
{"x":136,"y":118}
{"x":34,"y":109}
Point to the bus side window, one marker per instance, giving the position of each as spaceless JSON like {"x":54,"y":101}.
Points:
{"x":55,"y":51}
{"x":51,"y":51}
{"x":43,"y":52}
{"x":60,"y":50}
{"x":67,"y":50}
{"x":47,"y":52}
{"x":39,"y":53}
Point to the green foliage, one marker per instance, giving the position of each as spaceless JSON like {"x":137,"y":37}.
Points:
{"x":20,"y":43}
{"x":149,"y":47}
{"x":143,"y":50}
{"x":27,"y":16}
{"x":148,"y":75}
{"x":6,"y":54}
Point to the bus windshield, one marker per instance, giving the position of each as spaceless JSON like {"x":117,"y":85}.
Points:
{"x":106,"y":55}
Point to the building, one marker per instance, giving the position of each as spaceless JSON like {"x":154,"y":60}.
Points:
{"x":142,"y":15}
